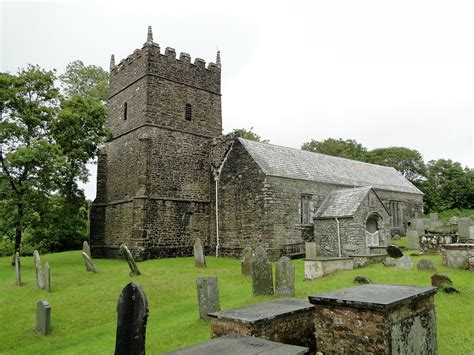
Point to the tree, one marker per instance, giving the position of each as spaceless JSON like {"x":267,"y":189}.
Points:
{"x":407,"y":161}
{"x":249,"y":134}
{"x":348,"y":148}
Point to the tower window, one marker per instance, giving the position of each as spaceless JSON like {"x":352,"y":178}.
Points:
{"x":188,"y":112}
{"x":188,"y":219}
{"x":305,"y":209}
{"x":125,"y":111}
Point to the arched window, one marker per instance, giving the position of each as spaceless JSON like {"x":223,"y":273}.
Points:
{"x":125,"y":111}
{"x":188,"y":112}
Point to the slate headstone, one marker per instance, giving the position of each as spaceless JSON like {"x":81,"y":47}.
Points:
{"x":394,"y":252}
{"x":246,"y":261}
{"x":262,"y":276}
{"x":47,"y":277}
{"x":404,"y":262}
{"x":440,"y":280}
{"x":17,"y":269}
{"x":310,"y":248}
{"x":86,"y":249}
{"x":390,"y":261}
{"x":130,"y":260}
{"x":413,"y":239}
{"x":90,"y":266}
{"x":425,"y":265}
{"x":43,"y":317}
{"x":199,"y":258}
{"x":132,"y":315}
{"x":208,"y":295}
{"x":38,"y":269}
{"x":285,"y":278}
{"x":463,"y":227}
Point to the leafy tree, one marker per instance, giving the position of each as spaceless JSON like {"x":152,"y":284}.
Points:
{"x":249,"y":134}
{"x":348,"y":148}
{"x":407,"y":161}
{"x":85,"y":81}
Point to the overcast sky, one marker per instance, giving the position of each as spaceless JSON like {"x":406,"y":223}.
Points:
{"x":385,"y":73}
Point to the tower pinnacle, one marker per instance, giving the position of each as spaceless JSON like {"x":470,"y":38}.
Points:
{"x":218,"y":59}
{"x":149,"y":38}
{"x":112,"y":62}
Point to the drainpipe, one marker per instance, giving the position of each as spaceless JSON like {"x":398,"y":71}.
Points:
{"x":338,"y":237}
{"x":216,"y":179}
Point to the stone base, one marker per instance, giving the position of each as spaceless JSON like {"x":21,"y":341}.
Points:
{"x":364,"y":260}
{"x":458,"y":255}
{"x":317,"y":268}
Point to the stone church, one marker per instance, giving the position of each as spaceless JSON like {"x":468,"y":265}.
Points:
{"x":168,"y":176}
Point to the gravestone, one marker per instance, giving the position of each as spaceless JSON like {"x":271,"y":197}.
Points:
{"x":246,"y":262}
{"x":43,"y":317}
{"x":47,"y":277}
{"x":86,"y":249}
{"x":404,"y":262}
{"x":90,"y":266}
{"x":413,"y":240}
{"x":310,"y":248}
{"x":396,"y":236}
{"x":463,"y":227}
{"x":394,"y":252}
{"x":132,"y":315}
{"x":285,"y":278}
{"x":130,"y":260}
{"x":199,"y":258}
{"x":17,"y":269}
{"x":426,"y":265}
{"x":38,"y":269}
{"x":471,"y":232}
{"x":208,"y":295}
{"x":434,"y":217}
{"x":390,"y":261}
{"x":262,"y":277}
{"x":418,"y":224}
{"x":441,"y":280}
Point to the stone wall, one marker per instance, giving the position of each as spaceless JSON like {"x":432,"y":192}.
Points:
{"x":433,"y":243}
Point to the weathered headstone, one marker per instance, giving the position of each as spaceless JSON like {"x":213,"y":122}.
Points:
{"x":130,"y":260}
{"x":413,"y":240}
{"x":86,"y":249}
{"x":208,"y":295}
{"x":47,"y":277}
{"x":396,"y":236}
{"x":199,"y":258}
{"x":262,"y":276}
{"x":471,"y":232}
{"x":394,"y":252}
{"x":404,"y":262}
{"x":285,"y":278}
{"x":90,"y":266}
{"x":434,"y":217}
{"x":132,"y":315}
{"x":418,"y":224}
{"x":246,"y":261}
{"x":17,"y":269}
{"x":441,"y":280}
{"x":463,"y":227}
{"x":310,"y":248}
{"x":43,"y":317}
{"x":426,"y":265}
{"x":390,"y":261}
{"x":38,"y":269}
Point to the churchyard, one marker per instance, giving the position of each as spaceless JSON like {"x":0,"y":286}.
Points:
{"x":84,"y":304}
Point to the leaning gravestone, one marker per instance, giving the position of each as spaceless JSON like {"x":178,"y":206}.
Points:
{"x":310,"y":249}
{"x":90,"y":266}
{"x":199,"y":258}
{"x":413,"y":240}
{"x":404,"y":262}
{"x":132,"y":315}
{"x":285,"y":278}
{"x":130,"y":260}
{"x":246,"y":262}
{"x":262,"y":277}
{"x":17,"y":269}
{"x":47,"y":277}
{"x":43,"y":317}
{"x":426,"y":265}
{"x":86,"y":249}
{"x":394,"y":252}
{"x":208,"y":295}
{"x":38,"y":270}
{"x":441,"y":280}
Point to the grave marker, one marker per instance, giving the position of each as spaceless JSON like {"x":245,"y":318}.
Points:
{"x":90,"y":266}
{"x":262,"y":277}
{"x":285,"y":278}
{"x":17,"y":269}
{"x":38,"y":269}
{"x":86,"y":249}
{"x":404,"y":262}
{"x":47,"y":277}
{"x":246,"y":262}
{"x":43,"y":317}
{"x":199,"y":258}
{"x":310,"y":249}
{"x":130,"y":260}
{"x":413,"y":239}
{"x":208,"y":295}
{"x":463,"y":227}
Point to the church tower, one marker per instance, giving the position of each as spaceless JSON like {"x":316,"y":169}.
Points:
{"x":154,"y":176}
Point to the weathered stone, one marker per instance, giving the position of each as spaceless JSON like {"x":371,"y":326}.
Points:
{"x":246,"y":261}
{"x":413,"y":240}
{"x":86,"y":249}
{"x":404,"y":262}
{"x":90,"y":266}
{"x":199,"y":258}
{"x":285,"y":278}
{"x":441,"y":280}
{"x":426,"y":264}
{"x":17,"y":269}
{"x":434,"y":217}
{"x":322,"y":266}
{"x":418,"y":224}
{"x":38,"y":269}
{"x":463,"y":227}
{"x":390,"y":261}
{"x":43,"y":317}
{"x":451,"y":290}
{"x":396,"y":236}
{"x":262,"y":276}
{"x":47,"y":277}
{"x":208,"y":295}
{"x":458,"y":255}
{"x":310,"y":249}
{"x":471,"y":232}
{"x":134,"y":271}
{"x":394,"y":252}
{"x":362,"y":280}
{"x":132,"y":315}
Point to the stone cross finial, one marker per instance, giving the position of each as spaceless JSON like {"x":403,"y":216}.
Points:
{"x":112,"y":62}
{"x":149,"y":38}
{"x":218,"y":59}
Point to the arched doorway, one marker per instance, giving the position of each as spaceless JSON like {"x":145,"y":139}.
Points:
{"x":372,"y":230}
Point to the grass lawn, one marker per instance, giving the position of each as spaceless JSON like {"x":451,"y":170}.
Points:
{"x":84,"y":304}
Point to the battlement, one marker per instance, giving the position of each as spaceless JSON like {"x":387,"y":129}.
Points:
{"x":149,"y":60}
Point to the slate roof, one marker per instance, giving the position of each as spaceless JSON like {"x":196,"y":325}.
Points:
{"x":342,"y":203}
{"x":294,"y":163}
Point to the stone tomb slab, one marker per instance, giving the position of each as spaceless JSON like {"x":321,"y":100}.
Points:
{"x":358,"y":319}
{"x":240,"y":344}
{"x":288,"y":320}
{"x":319,"y":267}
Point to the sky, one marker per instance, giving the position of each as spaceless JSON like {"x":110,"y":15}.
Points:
{"x":385,"y":73}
